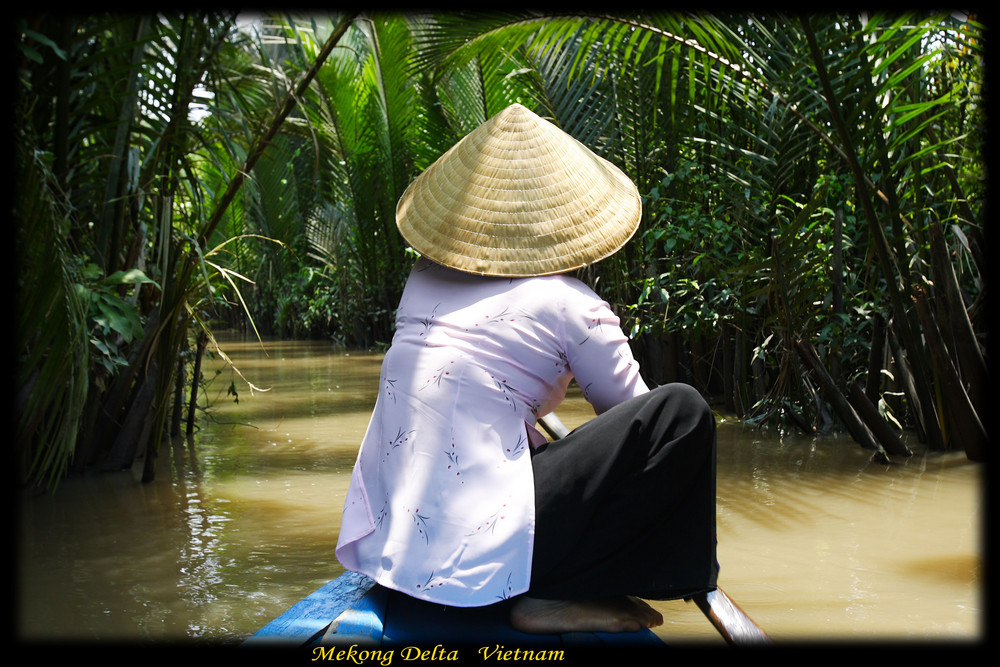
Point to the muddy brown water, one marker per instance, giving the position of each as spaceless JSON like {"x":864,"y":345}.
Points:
{"x":816,"y":542}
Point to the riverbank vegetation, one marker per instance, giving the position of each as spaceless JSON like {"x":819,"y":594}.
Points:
{"x":811,"y":253}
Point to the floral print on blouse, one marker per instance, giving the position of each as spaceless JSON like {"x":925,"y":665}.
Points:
{"x":441,"y":500}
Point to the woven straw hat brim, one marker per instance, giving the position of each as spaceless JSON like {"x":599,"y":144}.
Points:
{"x":519,"y":197}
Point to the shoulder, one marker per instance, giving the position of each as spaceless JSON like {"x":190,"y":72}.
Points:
{"x":572,"y":291}
{"x":427,"y":276}
{"x":562,"y":283}
{"x":558,"y":290}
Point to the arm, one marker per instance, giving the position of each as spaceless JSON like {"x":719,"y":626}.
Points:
{"x":598,"y":352}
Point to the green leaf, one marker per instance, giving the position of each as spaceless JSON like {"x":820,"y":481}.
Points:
{"x":130,"y":276}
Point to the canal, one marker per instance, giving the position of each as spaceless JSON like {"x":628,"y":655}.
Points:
{"x":816,"y":541}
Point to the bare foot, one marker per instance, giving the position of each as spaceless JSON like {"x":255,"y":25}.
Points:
{"x":624,"y":614}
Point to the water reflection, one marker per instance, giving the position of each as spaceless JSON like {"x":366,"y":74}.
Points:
{"x":816,"y":541}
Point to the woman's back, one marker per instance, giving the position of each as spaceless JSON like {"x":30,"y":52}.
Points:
{"x":447,"y":506}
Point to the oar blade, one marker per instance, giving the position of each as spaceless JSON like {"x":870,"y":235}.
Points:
{"x":732,"y":622}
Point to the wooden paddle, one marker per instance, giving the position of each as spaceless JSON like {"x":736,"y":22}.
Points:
{"x":732,"y":622}
{"x":725,"y":615}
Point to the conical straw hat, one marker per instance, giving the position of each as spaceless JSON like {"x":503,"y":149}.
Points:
{"x":517,"y":196}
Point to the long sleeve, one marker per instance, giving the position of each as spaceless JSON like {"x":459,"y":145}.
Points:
{"x":598,"y":352}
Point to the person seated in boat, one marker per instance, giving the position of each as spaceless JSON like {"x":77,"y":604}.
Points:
{"x":456,"y":497}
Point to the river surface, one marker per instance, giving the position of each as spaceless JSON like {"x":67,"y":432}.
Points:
{"x":816,"y":542}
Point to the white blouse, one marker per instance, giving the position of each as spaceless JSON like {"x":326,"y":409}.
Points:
{"x":441,"y":500}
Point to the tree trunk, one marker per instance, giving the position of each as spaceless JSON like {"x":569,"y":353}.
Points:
{"x":727,"y":341}
{"x":131,"y":437}
{"x":890,"y":440}
{"x":967,"y":351}
{"x":964,"y":428}
{"x":844,"y":410}
{"x":927,"y":430}
{"x":195,"y":380}
{"x":876,"y":357}
{"x":175,"y":413}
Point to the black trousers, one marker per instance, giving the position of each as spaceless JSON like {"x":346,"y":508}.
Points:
{"x":625,"y":504}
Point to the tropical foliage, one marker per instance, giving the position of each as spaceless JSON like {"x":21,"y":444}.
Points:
{"x":811,"y":246}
